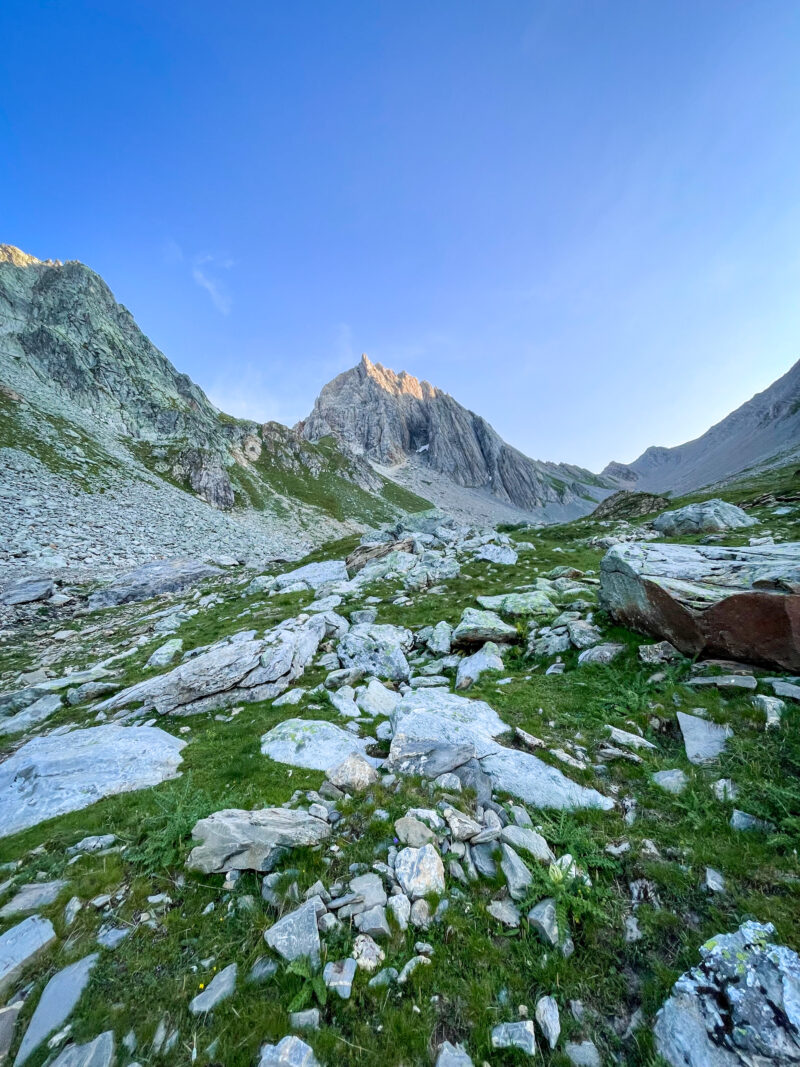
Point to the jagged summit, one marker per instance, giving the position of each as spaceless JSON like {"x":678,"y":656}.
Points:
{"x":426,"y":438}
{"x":12,"y":254}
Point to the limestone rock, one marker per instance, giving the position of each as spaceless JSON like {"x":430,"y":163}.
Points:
{"x":296,"y":935}
{"x":734,"y":603}
{"x":549,"y":1019}
{"x":239,"y":840}
{"x":314,"y":744}
{"x":452,"y":1056}
{"x":738,"y":1007}
{"x":20,"y":945}
{"x":353,"y":774}
{"x":519,"y":1035}
{"x":376,"y":650}
{"x":478,"y":626}
{"x":53,"y":775}
{"x":420,"y":871}
{"x":31,"y":897}
{"x":708,"y":516}
{"x":470,"y":668}
{"x":218,"y":989}
{"x":290,"y":1051}
{"x":26,"y":591}
{"x":97,"y":1053}
{"x":519,"y":604}
{"x":704,"y":741}
{"x":152,"y":579}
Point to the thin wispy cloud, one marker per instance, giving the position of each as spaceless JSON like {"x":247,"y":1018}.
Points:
{"x":204,"y":268}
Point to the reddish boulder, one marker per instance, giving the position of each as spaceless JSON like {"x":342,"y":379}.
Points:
{"x":708,"y":600}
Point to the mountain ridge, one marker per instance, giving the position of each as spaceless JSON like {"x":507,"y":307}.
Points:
{"x":762,"y":432}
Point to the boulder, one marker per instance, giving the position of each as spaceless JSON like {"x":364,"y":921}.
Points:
{"x":478,"y":626}
{"x":377,"y":650}
{"x":740,"y":1006}
{"x":240,"y":668}
{"x":420,"y":871}
{"x":472,"y":667}
{"x":708,"y":600}
{"x":27,"y":591}
{"x":703,"y":740}
{"x":709,"y":516}
{"x":498,"y":554}
{"x":314,"y":574}
{"x":364,"y":554}
{"x":519,"y":604}
{"x":152,"y":579}
{"x":296,"y":935}
{"x":353,"y":774}
{"x":310,"y":743}
{"x":32,"y":897}
{"x":252,"y":840}
{"x":290,"y":1051}
{"x":53,"y":775}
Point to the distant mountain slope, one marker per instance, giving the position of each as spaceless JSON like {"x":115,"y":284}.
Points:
{"x":763,"y":432}
{"x":421,"y":436}
{"x":90,"y":408}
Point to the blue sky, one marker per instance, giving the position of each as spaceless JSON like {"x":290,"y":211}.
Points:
{"x":580,"y":218}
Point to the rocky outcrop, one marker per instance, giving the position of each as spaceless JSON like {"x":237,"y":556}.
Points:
{"x":763,"y":432}
{"x":708,"y":516}
{"x":628,"y":505}
{"x":739,"y":1007}
{"x":392,"y":418}
{"x":736,"y":603}
{"x":252,"y":840}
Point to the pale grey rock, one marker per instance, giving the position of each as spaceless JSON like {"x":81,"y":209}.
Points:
{"x":440,"y":639}
{"x":296,"y":935}
{"x":310,"y":743}
{"x":400,"y":907}
{"x":290,"y":1051}
{"x":354,"y":774}
{"x":344,"y":703}
{"x":436,"y":732}
{"x":583,"y":634}
{"x":327,"y":603}
{"x":97,"y":1053}
{"x":377,"y":650}
{"x":549,"y":1019}
{"x":655,"y":655}
{"x":290,"y":698}
{"x":741,"y":820}
{"x":629,"y":740}
{"x":420,"y":871}
{"x":110,"y":936}
{"x":782,"y":688}
{"x":221,"y":986}
{"x":411,"y":831}
{"x":542,"y":918}
{"x":725,"y":681}
{"x":738,"y":1006}
{"x":535,"y":602}
{"x":505,"y":911}
{"x":8,"y":1025}
{"x":519,"y":1035}
{"x":56,"y":1004}
{"x":20,"y":945}
{"x":517,"y":875}
{"x":502,"y":554}
{"x":314,"y":575}
{"x":714,"y":881}
{"x":305,"y":1020}
{"x":409,"y":968}
{"x":703,"y":740}
{"x":31,"y":897}
{"x":53,"y":775}
{"x":548,"y":644}
{"x":450,"y":1055}
{"x":725,"y":789}
{"x":470,"y":668}
{"x":373,"y":922}
{"x":152,"y":579}
{"x":477,"y":626}
{"x":376,"y":699}
{"x":601,"y":654}
{"x":672,"y":781}
{"x":773,"y":708}
{"x":27,"y":591}
{"x":708,"y":516}
{"x":239,"y":840}
{"x":163,"y":656}
{"x":367,"y":953}
{"x":236,"y":669}
{"x":583,"y":1054}
{"x":529,"y":840}
{"x":338,"y":976}
{"x":35,"y":713}
{"x":94,"y":843}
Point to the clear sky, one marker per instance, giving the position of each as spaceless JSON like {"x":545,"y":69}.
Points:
{"x":582,"y":219}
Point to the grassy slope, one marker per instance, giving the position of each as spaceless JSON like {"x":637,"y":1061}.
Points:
{"x":480,"y":974}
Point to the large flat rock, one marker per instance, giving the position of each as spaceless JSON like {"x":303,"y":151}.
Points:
{"x":152,"y":579}
{"x":20,"y":945}
{"x":733,"y":603}
{"x":56,"y":1004}
{"x":704,"y":517}
{"x":63,"y":772}
{"x":311,"y":743}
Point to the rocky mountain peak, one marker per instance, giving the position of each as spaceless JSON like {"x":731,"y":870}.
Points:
{"x":15,"y":256}
{"x":426,"y":438}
